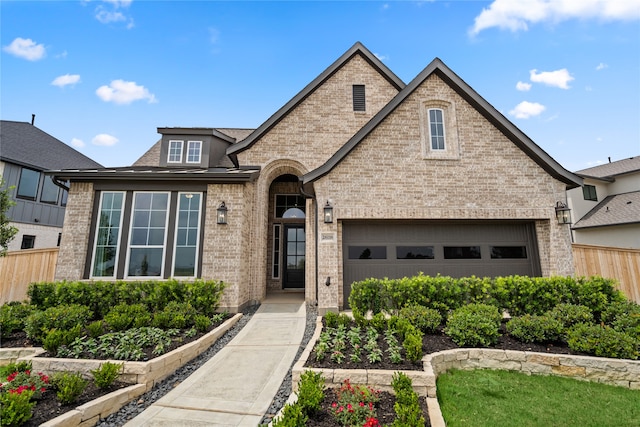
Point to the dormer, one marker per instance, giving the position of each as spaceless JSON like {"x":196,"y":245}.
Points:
{"x":194,"y":148}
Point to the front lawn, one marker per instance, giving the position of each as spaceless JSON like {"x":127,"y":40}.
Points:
{"x":501,"y":398}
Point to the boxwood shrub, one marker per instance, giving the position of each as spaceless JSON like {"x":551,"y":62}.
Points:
{"x":63,"y":317}
{"x":474,"y":325}
{"x":602,"y":341}
{"x":535,"y":328}
{"x":425,"y":319}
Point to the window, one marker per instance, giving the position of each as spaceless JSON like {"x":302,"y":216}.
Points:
{"x":284,"y":202}
{"x":414,"y":252}
{"x":358,"y":98}
{"x":367,"y":252}
{"x":28,"y":185}
{"x":462,"y":252}
{"x":50,"y":191}
{"x":185,"y":257}
{"x":65,"y":196}
{"x":105,"y":255}
{"x":436,"y":129}
{"x":59,"y":239}
{"x":589,"y":192}
{"x":148,"y":234}
{"x":175,"y":152}
{"x":194,"y":151}
{"x":275,"y":274}
{"x":508,"y":252}
{"x":28,"y":242}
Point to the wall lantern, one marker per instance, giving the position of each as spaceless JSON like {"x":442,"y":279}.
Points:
{"x":328,"y":213}
{"x":222,"y":213}
{"x":563,"y":213}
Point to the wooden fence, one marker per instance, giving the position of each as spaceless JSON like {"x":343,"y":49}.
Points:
{"x":19,"y":269}
{"x":612,"y":263}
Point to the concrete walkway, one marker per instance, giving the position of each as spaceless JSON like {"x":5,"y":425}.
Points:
{"x":236,"y":386}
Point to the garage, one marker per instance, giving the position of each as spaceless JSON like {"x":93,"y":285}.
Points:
{"x":396,"y":249}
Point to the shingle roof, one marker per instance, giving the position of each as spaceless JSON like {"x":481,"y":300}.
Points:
{"x":147,"y":173}
{"x":610,"y":170}
{"x":613,"y":210}
{"x":24,"y":144}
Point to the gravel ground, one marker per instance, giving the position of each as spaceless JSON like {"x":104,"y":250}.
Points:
{"x":136,"y":407}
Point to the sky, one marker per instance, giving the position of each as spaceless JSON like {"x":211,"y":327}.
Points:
{"x":102,"y":76}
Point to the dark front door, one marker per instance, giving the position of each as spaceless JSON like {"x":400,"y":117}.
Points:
{"x":294,"y":242}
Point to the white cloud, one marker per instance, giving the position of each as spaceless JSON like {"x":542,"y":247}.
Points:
{"x":214,"y":35}
{"x":78,"y":143}
{"x":111,"y":12}
{"x":106,"y":16}
{"x":518,"y":15}
{"x":522,"y":86}
{"x":526,"y":109}
{"x":601,"y":66}
{"x":558,"y":78}
{"x":381,"y":57}
{"x":67,"y":79}
{"x":26,"y":48}
{"x":122,"y":92}
{"x":104,"y":140}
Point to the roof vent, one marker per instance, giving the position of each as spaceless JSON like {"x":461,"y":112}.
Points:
{"x":358,"y":98}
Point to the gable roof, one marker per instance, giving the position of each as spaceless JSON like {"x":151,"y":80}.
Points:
{"x":24,"y":144}
{"x":356,"y":49}
{"x":480,"y":104}
{"x":610,"y":170}
{"x":618,"y":209}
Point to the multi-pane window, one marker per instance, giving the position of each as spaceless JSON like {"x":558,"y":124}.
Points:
{"x":589,"y":192}
{"x":28,"y":185}
{"x":194,"y":151}
{"x":50,"y":191}
{"x":185,"y":258}
{"x":276,"y":252}
{"x":148,"y":234}
{"x":284,"y":202}
{"x":105,"y":258}
{"x":436,"y":129}
{"x":175,"y":152}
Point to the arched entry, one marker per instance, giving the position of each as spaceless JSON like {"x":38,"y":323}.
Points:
{"x":287,"y":240}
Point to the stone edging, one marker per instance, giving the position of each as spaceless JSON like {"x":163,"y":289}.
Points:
{"x":620,"y":372}
{"x":142,"y":375}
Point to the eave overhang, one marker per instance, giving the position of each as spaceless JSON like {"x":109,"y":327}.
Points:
{"x":197,"y":131}
{"x":217,"y":175}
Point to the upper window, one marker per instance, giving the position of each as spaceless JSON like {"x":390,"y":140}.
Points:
{"x":105,"y":255}
{"x":148,"y":234}
{"x":589,"y":192}
{"x":194,"y":151}
{"x":28,"y":185}
{"x":358,"y":98}
{"x":175,"y":152}
{"x":436,"y":128}
{"x":290,"y":206}
{"x":50,"y":191}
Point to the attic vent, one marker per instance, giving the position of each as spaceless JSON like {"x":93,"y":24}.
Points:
{"x":358,"y":98}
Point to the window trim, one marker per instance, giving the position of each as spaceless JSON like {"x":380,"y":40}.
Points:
{"x":188,"y":154}
{"x":440,"y":124}
{"x":589,"y":193}
{"x":130,"y":234}
{"x":97,"y":231}
{"x":175,"y":236}
{"x":28,"y":238}
{"x":451,"y":149}
{"x":180,"y":151}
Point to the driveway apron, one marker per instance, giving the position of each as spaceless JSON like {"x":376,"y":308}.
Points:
{"x":236,"y":386}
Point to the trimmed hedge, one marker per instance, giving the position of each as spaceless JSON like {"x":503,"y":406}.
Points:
{"x":518,"y":295}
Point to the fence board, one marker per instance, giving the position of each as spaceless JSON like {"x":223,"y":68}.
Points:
{"x":20,"y":268}
{"x":620,"y":264}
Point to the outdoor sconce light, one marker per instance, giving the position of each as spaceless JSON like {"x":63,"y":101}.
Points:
{"x":328,"y":213}
{"x":563,"y":213}
{"x":222,"y":213}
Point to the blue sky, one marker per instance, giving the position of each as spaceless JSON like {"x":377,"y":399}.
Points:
{"x":102,"y":76}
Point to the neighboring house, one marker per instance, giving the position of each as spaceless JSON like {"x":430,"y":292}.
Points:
{"x":25,"y":152}
{"x":358,"y":175}
{"x":606,"y":209}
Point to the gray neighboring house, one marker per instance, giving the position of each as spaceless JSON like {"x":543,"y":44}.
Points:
{"x":25,"y":153}
{"x":606,"y":208}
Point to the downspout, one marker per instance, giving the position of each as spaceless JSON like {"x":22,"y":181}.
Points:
{"x":313,"y":197}
{"x":59,"y":183}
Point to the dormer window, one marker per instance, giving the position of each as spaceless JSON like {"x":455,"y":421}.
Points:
{"x":175,"y":152}
{"x":194,"y":151}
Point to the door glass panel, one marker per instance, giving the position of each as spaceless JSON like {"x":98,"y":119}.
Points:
{"x":508,"y":252}
{"x":367,"y":252}
{"x":462,"y":252}
{"x":414,"y":252}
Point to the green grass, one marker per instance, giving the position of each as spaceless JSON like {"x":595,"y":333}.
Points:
{"x":503,"y":399}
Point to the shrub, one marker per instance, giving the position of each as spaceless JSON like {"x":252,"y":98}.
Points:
{"x":95,"y":329}
{"x":407,"y":408}
{"x":204,"y":295}
{"x":532,"y":328}
{"x":571,"y":314}
{"x":56,"y":338}
{"x":602,"y":341}
{"x":127,"y":316}
{"x":63,"y":317}
{"x":623,"y":316}
{"x":425,"y":319}
{"x":202,"y":322}
{"x":292,"y":416}
{"x":474,"y":325}
{"x":310,"y":392}
{"x":413,"y":345}
{"x":378,"y":321}
{"x":12,"y":317}
{"x":175,"y":315}
{"x":15,"y":408}
{"x":69,"y":385}
{"x":331,"y":319}
{"x":106,"y":374}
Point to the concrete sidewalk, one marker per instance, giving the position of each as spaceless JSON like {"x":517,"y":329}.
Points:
{"x":236,"y":386}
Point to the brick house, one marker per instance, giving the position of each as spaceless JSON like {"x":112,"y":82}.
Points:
{"x":358,"y":175}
